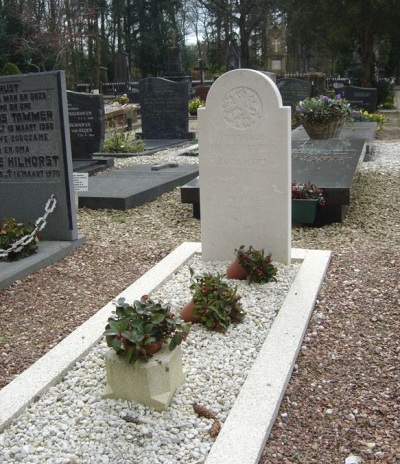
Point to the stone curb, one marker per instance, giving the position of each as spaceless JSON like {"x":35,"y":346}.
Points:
{"x":244,"y":433}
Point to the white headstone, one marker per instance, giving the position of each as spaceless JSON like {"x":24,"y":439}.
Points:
{"x":245,"y":167}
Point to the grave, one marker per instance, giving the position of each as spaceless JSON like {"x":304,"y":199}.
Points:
{"x":35,"y":152}
{"x":133,"y":186}
{"x":358,"y":130}
{"x":164,"y":109}
{"x":244,"y":164}
{"x":330,"y":164}
{"x":293,"y":91}
{"x":360,"y":98}
{"x":86,"y":124}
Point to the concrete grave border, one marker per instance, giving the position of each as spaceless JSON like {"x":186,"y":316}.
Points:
{"x":246,"y":429}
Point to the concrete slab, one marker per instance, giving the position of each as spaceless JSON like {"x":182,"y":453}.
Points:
{"x":49,"y":252}
{"x":91,"y":166}
{"x":248,"y":425}
{"x":358,"y":130}
{"x":133,"y":186}
{"x":151,"y":146}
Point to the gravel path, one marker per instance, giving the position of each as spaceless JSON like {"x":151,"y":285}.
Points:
{"x":343,"y":399}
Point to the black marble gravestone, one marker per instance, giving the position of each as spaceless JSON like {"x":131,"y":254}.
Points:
{"x":35,"y":152}
{"x":360,"y":98}
{"x":164,"y":109}
{"x":330,"y":164}
{"x":86,"y":124}
{"x":293,"y":91}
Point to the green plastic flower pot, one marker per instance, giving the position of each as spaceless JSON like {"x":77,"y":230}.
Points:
{"x":304,"y":211}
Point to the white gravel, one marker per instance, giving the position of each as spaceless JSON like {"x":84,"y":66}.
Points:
{"x":72,"y":423}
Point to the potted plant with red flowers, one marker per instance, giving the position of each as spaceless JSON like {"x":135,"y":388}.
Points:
{"x":137,"y":334}
{"x":137,"y":331}
{"x":306,"y":196}
{"x":215,"y":304}
{"x":253,"y":265}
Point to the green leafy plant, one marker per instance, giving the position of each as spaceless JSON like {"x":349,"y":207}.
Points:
{"x":123,"y":99}
{"x":307,"y":191}
{"x":121,"y":142}
{"x":10,"y":232}
{"x":133,"y":330}
{"x":258,"y":265}
{"x":10,"y":69}
{"x":322,"y":109}
{"x":216,"y":304}
{"x":130,"y":111}
{"x":364,"y":116}
{"x":194,"y":105}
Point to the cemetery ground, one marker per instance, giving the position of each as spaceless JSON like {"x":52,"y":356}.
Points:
{"x":343,"y":396}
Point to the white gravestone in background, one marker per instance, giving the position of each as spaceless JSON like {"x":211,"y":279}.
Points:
{"x":245,"y":167}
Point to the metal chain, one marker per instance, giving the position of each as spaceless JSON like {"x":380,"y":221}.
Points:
{"x":40,"y":224}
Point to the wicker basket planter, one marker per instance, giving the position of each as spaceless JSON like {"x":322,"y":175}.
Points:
{"x":323,"y":130}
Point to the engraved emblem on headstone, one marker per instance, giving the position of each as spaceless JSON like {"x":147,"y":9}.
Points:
{"x":241,"y":108}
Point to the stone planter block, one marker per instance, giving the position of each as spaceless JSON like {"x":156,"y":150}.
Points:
{"x":151,"y":383}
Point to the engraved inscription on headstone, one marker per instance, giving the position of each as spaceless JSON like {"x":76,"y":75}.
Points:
{"x":245,"y":169}
{"x":86,"y":124}
{"x":328,"y":163}
{"x":35,"y":152}
{"x":293,"y":91}
{"x":360,"y":98}
{"x":164,"y":108}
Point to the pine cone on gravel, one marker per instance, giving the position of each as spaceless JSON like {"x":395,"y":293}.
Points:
{"x":202,"y":411}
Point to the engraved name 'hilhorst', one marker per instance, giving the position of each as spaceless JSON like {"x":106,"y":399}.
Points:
{"x":22,"y":125}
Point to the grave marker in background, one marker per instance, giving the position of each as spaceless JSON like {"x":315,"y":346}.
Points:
{"x":360,"y":98}
{"x":245,"y":167}
{"x":164,"y":108}
{"x":293,"y":91}
{"x":35,"y":152}
{"x":86,"y":124}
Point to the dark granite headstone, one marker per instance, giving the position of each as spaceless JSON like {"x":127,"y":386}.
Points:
{"x":293,"y":91}
{"x":86,"y":124}
{"x":164,"y":108}
{"x":330,"y":164}
{"x":35,"y":152}
{"x":360,"y":98}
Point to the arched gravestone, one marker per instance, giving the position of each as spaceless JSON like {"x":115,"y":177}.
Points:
{"x":35,"y":152}
{"x":245,"y":167}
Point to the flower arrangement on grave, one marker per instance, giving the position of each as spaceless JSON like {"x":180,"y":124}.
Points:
{"x":364,"y":116}
{"x":122,"y":142}
{"x":308,"y":191}
{"x":254,"y":266}
{"x":11,"y":232}
{"x":215,"y":304}
{"x":139,"y":330}
{"x":194,"y":105}
{"x":322,"y":109}
{"x":123,"y":99}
